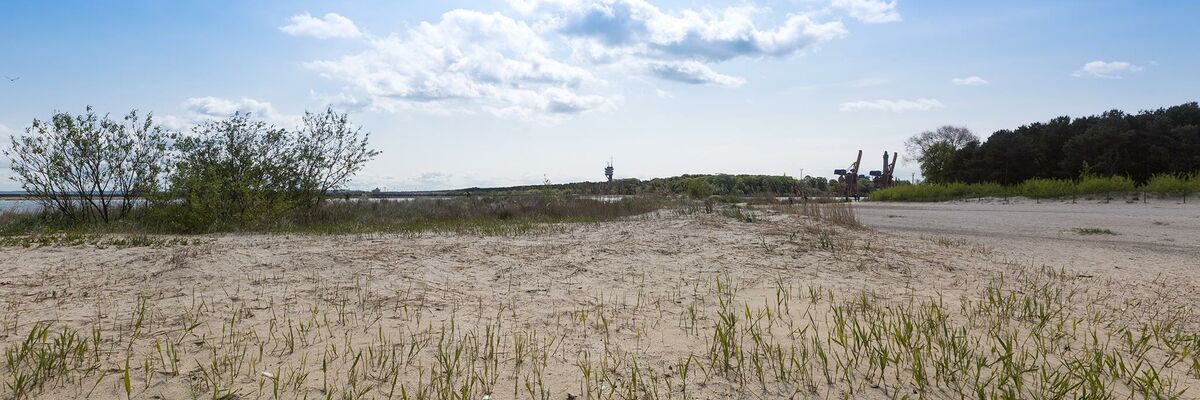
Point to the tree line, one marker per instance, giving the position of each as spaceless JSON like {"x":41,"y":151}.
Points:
{"x":695,"y":185}
{"x":234,"y":172}
{"x":1115,"y":143}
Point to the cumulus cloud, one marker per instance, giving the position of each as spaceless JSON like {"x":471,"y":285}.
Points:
{"x":329,"y":26}
{"x":675,"y":45}
{"x":921,"y":104}
{"x":467,"y":61}
{"x":869,"y":11}
{"x":969,"y":81}
{"x":694,"y":73}
{"x":1107,"y":69}
{"x":206,"y":108}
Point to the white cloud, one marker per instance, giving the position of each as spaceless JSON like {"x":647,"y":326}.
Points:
{"x":329,"y":26}
{"x":206,"y":108}
{"x":692,"y":72}
{"x":5,"y":131}
{"x":921,"y":104}
{"x":674,"y":45}
{"x":438,"y":180}
{"x":468,"y":61}
{"x":1107,"y":69}
{"x":969,"y":81}
{"x":869,"y":11}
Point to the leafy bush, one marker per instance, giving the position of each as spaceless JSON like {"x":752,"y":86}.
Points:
{"x":1102,"y":185}
{"x":1047,"y":188}
{"x":240,"y":172}
{"x":1166,"y":184}
{"x":87,"y":167}
{"x":699,"y":188}
{"x":1038,"y":188}
{"x":938,"y":192}
{"x":236,"y":171}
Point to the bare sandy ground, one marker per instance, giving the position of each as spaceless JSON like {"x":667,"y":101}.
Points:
{"x":613,"y":310}
{"x":1162,"y":237}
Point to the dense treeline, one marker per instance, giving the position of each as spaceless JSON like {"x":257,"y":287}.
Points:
{"x":1138,"y":146}
{"x":693,"y":185}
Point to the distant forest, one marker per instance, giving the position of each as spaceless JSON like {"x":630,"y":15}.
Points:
{"x":694,"y":185}
{"x":1115,"y":143}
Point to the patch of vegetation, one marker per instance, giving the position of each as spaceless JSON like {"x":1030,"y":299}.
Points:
{"x":834,"y":212}
{"x":690,"y":184}
{"x":1173,"y":185}
{"x":1094,"y":231}
{"x":1114,"y":143}
{"x":938,"y":192}
{"x":739,"y":213}
{"x":492,"y":215}
{"x":1038,"y":188}
{"x":98,"y":241}
{"x":1030,"y":334}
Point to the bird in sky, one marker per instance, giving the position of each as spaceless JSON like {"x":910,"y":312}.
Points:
{"x":10,"y":79}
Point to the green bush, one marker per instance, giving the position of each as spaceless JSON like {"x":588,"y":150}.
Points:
{"x":1046,"y":188}
{"x":240,"y":173}
{"x":235,"y":172}
{"x":1109,"y":185}
{"x":89,"y":167}
{"x":1166,"y":184}
{"x":938,"y":192}
{"x":699,"y":188}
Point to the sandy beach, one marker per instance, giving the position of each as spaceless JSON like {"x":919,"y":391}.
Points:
{"x":602,"y":310}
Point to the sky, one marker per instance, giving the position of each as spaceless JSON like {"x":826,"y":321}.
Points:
{"x":494,"y":93}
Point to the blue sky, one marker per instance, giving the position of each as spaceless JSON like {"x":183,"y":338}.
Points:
{"x":478,"y":93}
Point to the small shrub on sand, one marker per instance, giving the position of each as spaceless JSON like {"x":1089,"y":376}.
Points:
{"x":1171,"y":185}
{"x":1106,"y":186}
{"x":1094,"y":231}
{"x":1046,"y":188}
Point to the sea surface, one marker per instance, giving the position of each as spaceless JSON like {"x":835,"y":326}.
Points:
{"x":15,"y":205}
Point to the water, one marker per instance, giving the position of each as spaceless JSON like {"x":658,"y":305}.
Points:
{"x":15,"y":205}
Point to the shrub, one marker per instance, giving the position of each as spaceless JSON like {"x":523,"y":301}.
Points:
{"x":1112,"y":184}
{"x":328,"y":151}
{"x":938,"y":192}
{"x":699,"y":188}
{"x":241,"y":172}
{"x":234,"y":171}
{"x":1166,"y":184}
{"x":87,"y":167}
{"x":1046,"y":188}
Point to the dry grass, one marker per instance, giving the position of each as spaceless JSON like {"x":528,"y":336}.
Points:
{"x":837,"y":213}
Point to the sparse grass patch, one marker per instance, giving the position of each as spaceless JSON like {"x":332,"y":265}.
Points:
{"x":502,"y":215}
{"x":95,"y":240}
{"x":838,"y":212}
{"x":1033,"y":333}
{"x":1094,"y":231}
{"x":739,"y":213}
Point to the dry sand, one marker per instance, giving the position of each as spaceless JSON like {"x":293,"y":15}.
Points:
{"x":251,"y":311}
{"x":1162,"y":237}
